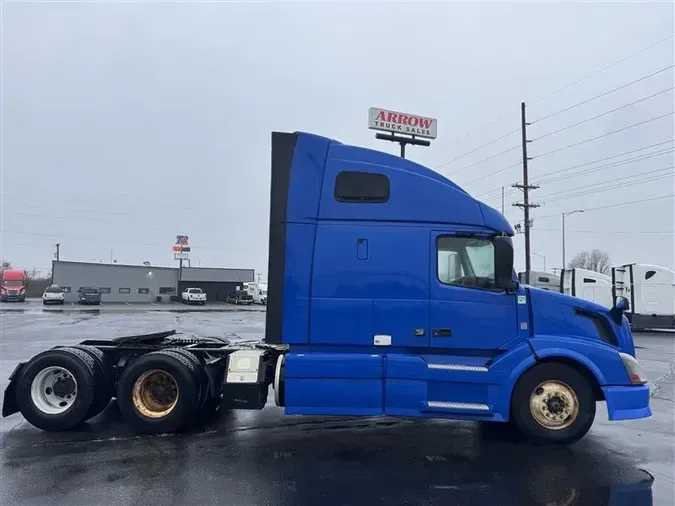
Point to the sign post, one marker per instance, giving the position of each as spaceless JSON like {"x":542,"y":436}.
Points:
{"x":181,"y":249}
{"x":403,"y":128}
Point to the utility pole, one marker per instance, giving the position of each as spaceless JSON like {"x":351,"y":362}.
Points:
{"x":502,"y":201}
{"x":526,"y":187}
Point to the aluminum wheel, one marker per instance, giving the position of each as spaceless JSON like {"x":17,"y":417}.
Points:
{"x":53,"y":390}
{"x":155,"y":393}
{"x":554,"y":405}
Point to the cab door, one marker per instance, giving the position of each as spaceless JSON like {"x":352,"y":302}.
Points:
{"x":466,"y":311}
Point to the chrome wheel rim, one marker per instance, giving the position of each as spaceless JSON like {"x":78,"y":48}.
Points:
{"x":155,"y":393}
{"x":554,"y":405}
{"x":53,"y":390}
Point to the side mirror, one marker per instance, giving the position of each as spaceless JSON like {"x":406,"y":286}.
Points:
{"x":504,"y":263}
{"x":622,"y":304}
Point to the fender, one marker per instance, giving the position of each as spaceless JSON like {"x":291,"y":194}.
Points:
{"x":600,"y":359}
{"x":513,"y":364}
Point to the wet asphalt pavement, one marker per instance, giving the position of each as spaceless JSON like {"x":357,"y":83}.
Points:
{"x":265,"y":458}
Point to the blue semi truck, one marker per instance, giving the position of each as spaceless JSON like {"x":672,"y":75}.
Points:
{"x":391,"y":292}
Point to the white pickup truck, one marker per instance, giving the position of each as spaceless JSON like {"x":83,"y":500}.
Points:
{"x":193,"y":296}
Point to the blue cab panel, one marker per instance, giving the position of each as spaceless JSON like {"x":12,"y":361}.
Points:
{"x":382,"y":281}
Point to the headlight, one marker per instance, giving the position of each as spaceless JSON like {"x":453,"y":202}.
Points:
{"x":635,"y":371}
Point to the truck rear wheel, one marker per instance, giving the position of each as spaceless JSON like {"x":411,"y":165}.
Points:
{"x":553,"y":403}
{"x":104,"y":380}
{"x":159,"y":391}
{"x":200,"y":376}
{"x":55,"y":390}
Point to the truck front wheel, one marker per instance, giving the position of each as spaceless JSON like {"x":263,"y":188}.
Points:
{"x":553,"y":403}
{"x":158,"y":392}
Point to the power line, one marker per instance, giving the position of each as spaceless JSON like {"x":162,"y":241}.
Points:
{"x":98,"y":240}
{"x":620,"y":204}
{"x":607,"y":166}
{"x":578,"y":193}
{"x":590,"y":171}
{"x":609,"y":157}
{"x":479,"y":147}
{"x":603,"y":114}
{"x":86,"y":209}
{"x":513,"y":148}
{"x":617,"y":62}
{"x":558,"y":90}
{"x":517,"y":164}
{"x":605,"y":135}
{"x":630,"y":232}
{"x":591,"y":162}
{"x":603,"y":94}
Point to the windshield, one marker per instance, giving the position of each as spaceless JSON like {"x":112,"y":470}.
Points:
{"x":13,"y":282}
{"x":53,"y":289}
{"x":89,"y":290}
{"x":195,"y":290}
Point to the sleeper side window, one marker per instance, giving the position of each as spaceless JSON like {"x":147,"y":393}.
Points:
{"x":361,"y":187}
{"x":466,"y":261}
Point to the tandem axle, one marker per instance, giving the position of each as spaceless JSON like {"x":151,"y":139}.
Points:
{"x":160,"y":380}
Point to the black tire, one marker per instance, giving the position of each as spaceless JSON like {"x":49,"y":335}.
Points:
{"x":104,"y":380}
{"x":183,"y":371}
{"x":526,"y":422}
{"x":199,"y":375}
{"x":80,"y":365}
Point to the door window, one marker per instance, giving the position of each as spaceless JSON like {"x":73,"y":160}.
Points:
{"x":466,"y":261}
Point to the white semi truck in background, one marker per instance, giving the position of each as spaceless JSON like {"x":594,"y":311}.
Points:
{"x":649,"y":289}
{"x":588,"y":285}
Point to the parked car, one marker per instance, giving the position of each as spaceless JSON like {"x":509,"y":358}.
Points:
{"x":240,"y":297}
{"x":53,"y":295}
{"x":88,"y":295}
{"x":193,"y":296}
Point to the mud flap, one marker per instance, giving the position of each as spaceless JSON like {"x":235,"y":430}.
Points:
{"x":9,"y":404}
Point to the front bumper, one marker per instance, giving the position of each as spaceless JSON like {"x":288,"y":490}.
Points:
{"x":13,"y":298}
{"x":90,"y":301}
{"x":627,"y":402}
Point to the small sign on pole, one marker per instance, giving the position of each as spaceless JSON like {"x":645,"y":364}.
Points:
{"x":181,"y":249}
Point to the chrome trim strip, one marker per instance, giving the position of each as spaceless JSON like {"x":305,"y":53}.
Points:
{"x":458,"y":367}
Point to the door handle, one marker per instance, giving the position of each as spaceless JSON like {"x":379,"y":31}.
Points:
{"x":442,"y":333}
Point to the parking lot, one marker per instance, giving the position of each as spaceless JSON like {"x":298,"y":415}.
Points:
{"x":264,"y":458}
{"x":36,"y":306}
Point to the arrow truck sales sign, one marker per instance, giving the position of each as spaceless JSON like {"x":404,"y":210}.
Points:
{"x":401,"y":123}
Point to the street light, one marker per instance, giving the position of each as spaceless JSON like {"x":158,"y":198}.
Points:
{"x":542,"y":256}
{"x":563,"y":232}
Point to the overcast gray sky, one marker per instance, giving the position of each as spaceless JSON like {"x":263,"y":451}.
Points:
{"x":124,"y":124}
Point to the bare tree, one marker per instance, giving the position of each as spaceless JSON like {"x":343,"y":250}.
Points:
{"x":594,"y":260}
